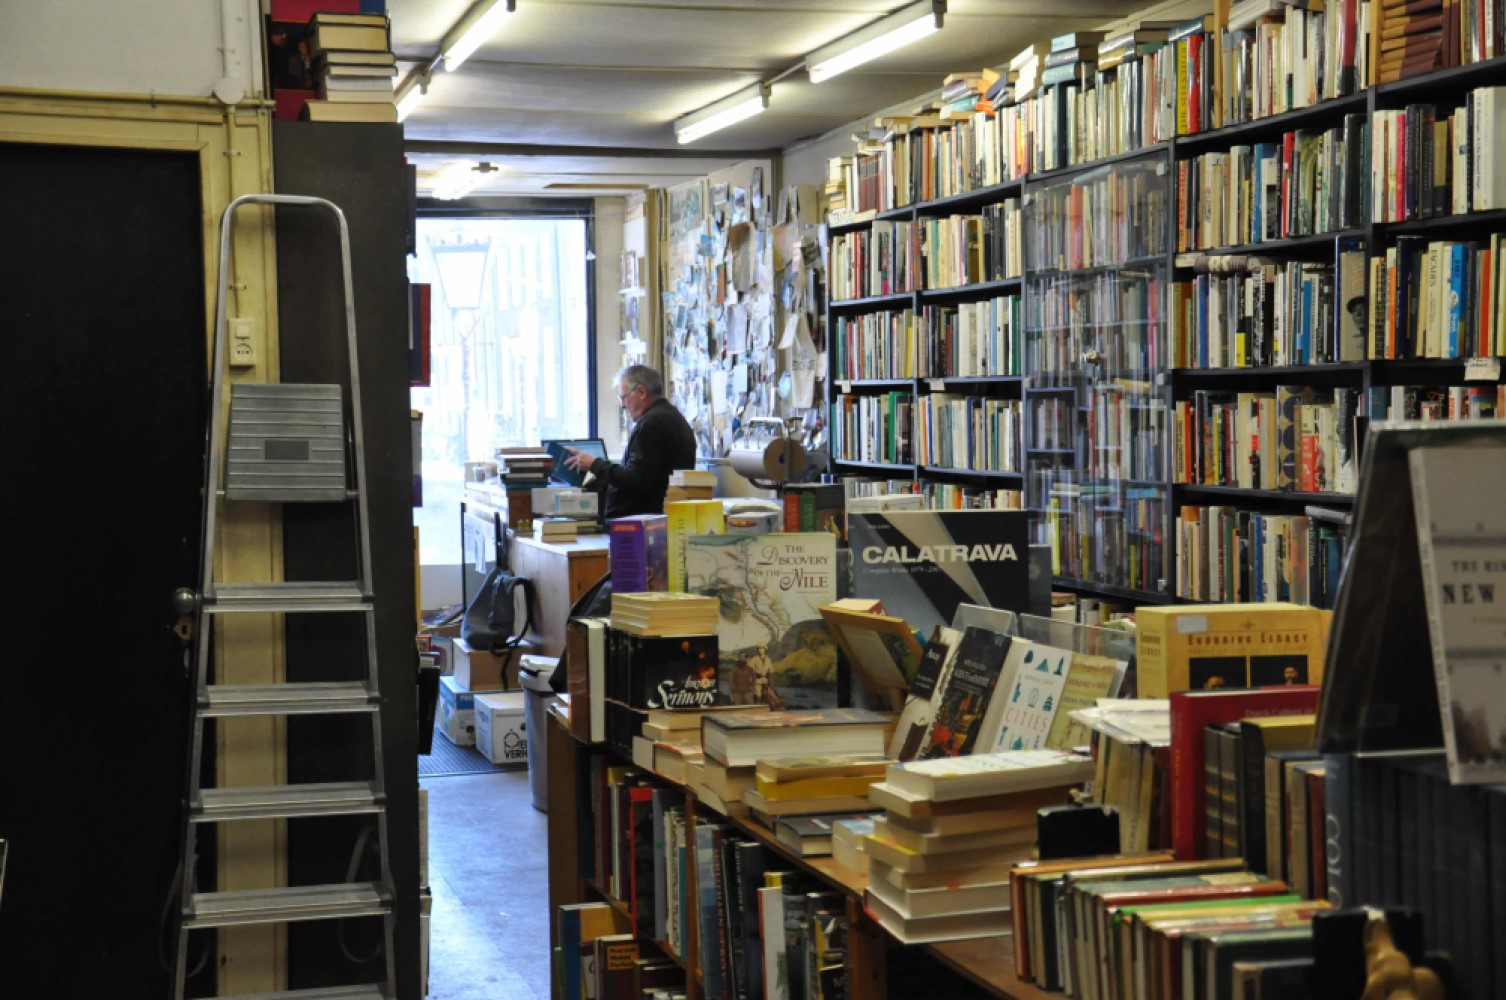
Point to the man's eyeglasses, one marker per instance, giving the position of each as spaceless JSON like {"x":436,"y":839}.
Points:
{"x":622,"y":397}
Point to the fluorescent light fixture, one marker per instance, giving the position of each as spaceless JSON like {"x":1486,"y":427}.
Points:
{"x":883,"y":36}
{"x":728,"y":111}
{"x":412,"y":94}
{"x":461,"y":178}
{"x":472,"y":31}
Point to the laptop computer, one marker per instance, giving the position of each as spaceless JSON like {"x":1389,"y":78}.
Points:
{"x":563,"y":473}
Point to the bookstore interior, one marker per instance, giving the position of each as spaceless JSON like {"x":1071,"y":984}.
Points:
{"x":1086,"y":585}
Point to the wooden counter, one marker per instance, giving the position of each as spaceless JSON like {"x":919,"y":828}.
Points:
{"x":561,"y":572}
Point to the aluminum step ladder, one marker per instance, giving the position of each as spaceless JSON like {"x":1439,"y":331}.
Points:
{"x":284,"y":443}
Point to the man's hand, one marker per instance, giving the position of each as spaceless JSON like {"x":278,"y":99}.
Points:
{"x":579,"y":460}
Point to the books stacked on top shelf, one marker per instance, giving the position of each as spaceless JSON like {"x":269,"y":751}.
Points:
{"x":939,"y":859}
{"x":355,"y":67}
{"x":664,"y":613}
{"x":825,"y":786}
{"x":690,"y":484}
{"x":1073,"y":58}
{"x":1147,"y":926}
{"x":964,"y":94}
{"x":524,"y":467}
{"x":1026,"y":66}
{"x":841,"y":198}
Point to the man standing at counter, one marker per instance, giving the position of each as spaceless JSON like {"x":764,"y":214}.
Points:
{"x":660,"y":443}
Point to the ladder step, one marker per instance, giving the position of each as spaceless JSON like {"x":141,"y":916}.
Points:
{"x":373,"y":992}
{"x":298,"y":595}
{"x":273,"y":906}
{"x":319,"y":698}
{"x":342,"y":798}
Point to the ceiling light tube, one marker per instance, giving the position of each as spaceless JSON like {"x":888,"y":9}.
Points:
{"x":411,"y":94}
{"x":461,"y":178}
{"x":883,"y":36}
{"x":728,"y":111}
{"x":472,"y":31}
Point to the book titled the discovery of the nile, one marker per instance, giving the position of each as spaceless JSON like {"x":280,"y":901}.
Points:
{"x":776,"y":649}
{"x":923,"y":563}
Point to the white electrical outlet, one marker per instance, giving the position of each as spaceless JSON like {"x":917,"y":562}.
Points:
{"x":242,"y":342}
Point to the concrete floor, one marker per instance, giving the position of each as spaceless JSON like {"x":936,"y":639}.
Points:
{"x":489,"y":934}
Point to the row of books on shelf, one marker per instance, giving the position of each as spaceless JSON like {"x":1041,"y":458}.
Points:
{"x":972,"y":339}
{"x":1310,"y":181}
{"x":1116,"y":217}
{"x":1111,"y":434}
{"x":1228,"y":554}
{"x":951,"y":496}
{"x":1295,"y":438}
{"x":968,"y":340}
{"x":878,"y":428}
{"x":1109,"y":531}
{"x":1114,"y":320}
{"x":969,"y":432}
{"x":883,"y":259}
{"x":1426,"y":162}
{"x":1420,"y":299}
{"x":970,"y":249}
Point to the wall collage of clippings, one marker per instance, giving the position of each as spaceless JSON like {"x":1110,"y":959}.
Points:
{"x":743,"y":314}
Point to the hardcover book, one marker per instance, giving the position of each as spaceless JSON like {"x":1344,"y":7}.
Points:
{"x":1461,"y":531}
{"x":965,"y":699}
{"x":1214,"y":646}
{"x":923,"y":564}
{"x":776,"y":649}
{"x":1037,"y":674}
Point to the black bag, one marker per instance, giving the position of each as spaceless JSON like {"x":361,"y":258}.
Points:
{"x":490,"y":621}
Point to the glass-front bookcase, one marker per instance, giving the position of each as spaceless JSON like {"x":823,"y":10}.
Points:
{"x":1098,"y":266}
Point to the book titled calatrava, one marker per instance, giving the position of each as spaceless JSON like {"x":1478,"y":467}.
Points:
{"x":775,"y":647}
{"x":923,"y":563}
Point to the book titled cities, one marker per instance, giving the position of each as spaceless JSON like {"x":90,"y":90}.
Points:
{"x":776,"y":649}
{"x":921,"y":564}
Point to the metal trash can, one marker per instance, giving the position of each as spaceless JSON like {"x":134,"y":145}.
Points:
{"x":534,"y":674}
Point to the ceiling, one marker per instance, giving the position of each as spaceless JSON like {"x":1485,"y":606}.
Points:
{"x":584,"y":92}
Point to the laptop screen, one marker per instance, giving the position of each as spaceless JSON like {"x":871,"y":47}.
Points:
{"x":561,"y":472}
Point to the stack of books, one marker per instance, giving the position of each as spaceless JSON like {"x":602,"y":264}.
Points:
{"x":664,"y":613}
{"x":690,"y":484}
{"x":742,"y":739}
{"x":524,"y":467}
{"x":1027,"y":69}
{"x":847,"y":839}
{"x":939,"y":859}
{"x":557,"y":529}
{"x":1073,"y":58}
{"x":804,"y":788}
{"x":355,"y":67}
{"x":963,"y":94}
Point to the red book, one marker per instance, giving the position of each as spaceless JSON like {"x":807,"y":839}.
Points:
{"x":1191,"y":712}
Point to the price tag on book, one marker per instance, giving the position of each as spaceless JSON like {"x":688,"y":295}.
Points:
{"x":1482,"y":370}
{"x":938,"y":385}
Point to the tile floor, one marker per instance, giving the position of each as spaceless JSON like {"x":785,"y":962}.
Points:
{"x":489,"y":937}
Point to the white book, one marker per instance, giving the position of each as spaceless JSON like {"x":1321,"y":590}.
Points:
{"x":776,"y":979}
{"x":1490,"y":185}
{"x":950,"y":778}
{"x":1461,"y":536}
{"x":1036,"y":677}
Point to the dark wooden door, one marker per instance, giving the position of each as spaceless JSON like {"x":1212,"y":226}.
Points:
{"x":102,"y":353}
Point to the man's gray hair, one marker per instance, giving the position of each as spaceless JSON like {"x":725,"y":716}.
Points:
{"x":642,"y":375}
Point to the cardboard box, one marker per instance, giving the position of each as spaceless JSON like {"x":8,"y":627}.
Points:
{"x":483,"y":670}
{"x":1204,"y":647}
{"x":500,"y":728}
{"x":457,"y":713}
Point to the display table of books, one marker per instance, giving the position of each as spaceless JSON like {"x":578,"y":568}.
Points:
{"x":654,"y":927}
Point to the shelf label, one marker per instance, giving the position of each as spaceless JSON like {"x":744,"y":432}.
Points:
{"x":938,"y":385}
{"x":1482,"y":370}
{"x":844,"y":386}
